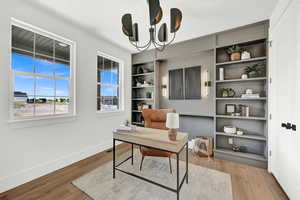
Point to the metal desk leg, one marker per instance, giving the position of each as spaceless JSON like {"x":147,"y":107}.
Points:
{"x":114,"y":158}
{"x":131,"y":154}
{"x":187,"y":163}
{"x":177,"y":155}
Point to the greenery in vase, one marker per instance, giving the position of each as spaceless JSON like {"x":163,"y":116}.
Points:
{"x":255,"y":68}
{"x":225,"y":92}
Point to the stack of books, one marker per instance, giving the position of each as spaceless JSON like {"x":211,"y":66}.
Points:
{"x":250,"y":96}
{"x":126,"y":128}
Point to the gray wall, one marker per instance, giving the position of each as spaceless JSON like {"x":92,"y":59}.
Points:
{"x":201,"y":107}
{"x":193,"y":118}
{"x":197,"y":126}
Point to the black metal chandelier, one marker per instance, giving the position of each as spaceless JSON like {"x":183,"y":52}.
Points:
{"x":155,"y":13}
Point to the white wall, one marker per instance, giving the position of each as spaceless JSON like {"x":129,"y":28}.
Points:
{"x":32,"y":149}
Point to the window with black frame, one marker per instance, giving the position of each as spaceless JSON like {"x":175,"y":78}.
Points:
{"x":108,"y":90}
{"x":185,"y":83}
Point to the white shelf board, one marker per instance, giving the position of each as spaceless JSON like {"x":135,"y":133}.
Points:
{"x":139,"y":87}
{"x":242,"y":99}
{"x":242,"y":80}
{"x":142,"y":99}
{"x":246,"y":136}
{"x":242,"y":61}
{"x":241,"y":154}
{"x":241,"y":117}
{"x":144,"y":74}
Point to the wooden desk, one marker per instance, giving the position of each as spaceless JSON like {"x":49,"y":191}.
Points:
{"x":155,"y":139}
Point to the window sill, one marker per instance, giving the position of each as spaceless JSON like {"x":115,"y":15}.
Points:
{"x":41,"y":121}
{"x":103,"y":114}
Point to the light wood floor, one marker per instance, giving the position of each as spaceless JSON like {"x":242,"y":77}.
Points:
{"x":248,"y":183}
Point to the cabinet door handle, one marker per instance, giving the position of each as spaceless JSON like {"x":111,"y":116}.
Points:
{"x":288,"y":126}
{"x":283,"y":125}
{"x":294,"y":127}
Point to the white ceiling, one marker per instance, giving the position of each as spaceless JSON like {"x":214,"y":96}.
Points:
{"x":200,"y":17}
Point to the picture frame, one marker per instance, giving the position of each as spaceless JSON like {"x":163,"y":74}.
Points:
{"x":230,"y":109}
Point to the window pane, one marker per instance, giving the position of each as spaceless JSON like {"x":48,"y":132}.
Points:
{"x":115,"y":98}
{"x":62,"y":69}
{"x":98,"y":90}
{"x":106,"y":71}
{"x":115,"y":91}
{"x":44,"y":105}
{"x":98,"y":103}
{"x":62,"y":50}
{"x":106,"y":77}
{"x":23,"y":85}
{"x":108,"y":82}
{"x":61,"y":105}
{"x":106,"y":97}
{"x":115,"y":73}
{"x":109,"y":97}
{"x":22,"y":61}
{"x":22,"y":38}
{"x":98,"y":76}
{"x":62,"y":88}
{"x":44,"y":45}
{"x":44,"y":86}
{"x":176,"y":84}
{"x":44,"y":65}
{"x":109,"y":103}
{"x":99,"y":68}
{"x":115,"y":103}
{"x":23,"y":107}
{"x":106,"y":91}
{"x":106,"y":103}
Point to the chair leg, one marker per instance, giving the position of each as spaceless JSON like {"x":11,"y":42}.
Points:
{"x":170,"y":164}
{"x":142,"y":163}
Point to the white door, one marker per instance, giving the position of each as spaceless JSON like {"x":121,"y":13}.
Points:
{"x":285,"y":100}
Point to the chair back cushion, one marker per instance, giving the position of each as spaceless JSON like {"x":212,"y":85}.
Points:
{"x":156,"y":118}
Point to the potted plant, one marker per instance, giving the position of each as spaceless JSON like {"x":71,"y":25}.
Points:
{"x":257,"y":70}
{"x":234,"y":52}
{"x":227,"y":92}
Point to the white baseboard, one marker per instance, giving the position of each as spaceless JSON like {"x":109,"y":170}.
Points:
{"x":30,"y":174}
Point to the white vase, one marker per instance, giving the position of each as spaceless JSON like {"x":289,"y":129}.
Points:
{"x":221,"y":74}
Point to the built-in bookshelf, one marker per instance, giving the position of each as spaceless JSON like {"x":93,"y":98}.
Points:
{"x":253,"y":141}
{"x":144,"y":89}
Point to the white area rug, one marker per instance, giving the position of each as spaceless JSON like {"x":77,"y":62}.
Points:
{"x":204,"y":184}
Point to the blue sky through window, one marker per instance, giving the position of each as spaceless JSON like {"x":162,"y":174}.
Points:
{"x":108,"y":77}
{"x":44,"y":86}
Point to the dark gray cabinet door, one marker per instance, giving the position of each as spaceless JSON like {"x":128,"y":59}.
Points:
{"x":193,"y":82}
{"x":176,"y":84}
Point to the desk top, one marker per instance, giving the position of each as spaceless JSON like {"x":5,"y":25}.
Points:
{"x":155,"y":138}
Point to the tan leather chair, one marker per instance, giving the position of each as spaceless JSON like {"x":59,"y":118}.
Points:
{"x":155,"y":118}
